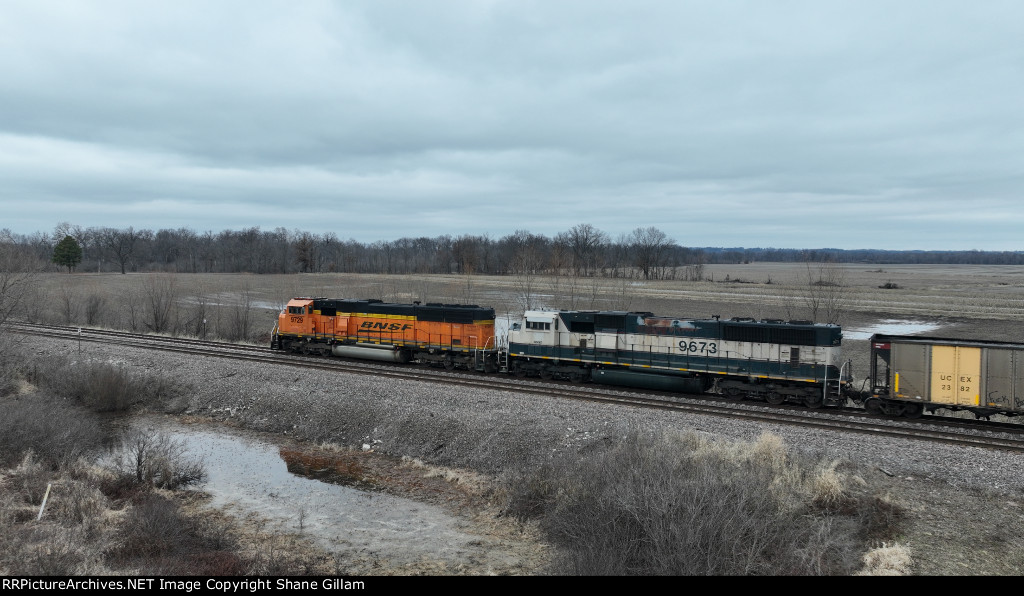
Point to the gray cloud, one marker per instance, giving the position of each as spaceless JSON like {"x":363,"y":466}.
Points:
{"x":744,"y":123}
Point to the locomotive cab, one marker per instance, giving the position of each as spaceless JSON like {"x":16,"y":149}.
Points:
{"x":297,"y":316}
{"x":537,"y":328}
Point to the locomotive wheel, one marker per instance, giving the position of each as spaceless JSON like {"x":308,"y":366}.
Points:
{"x":814,"y":401}
{"x":774,"y":398}
{"x":449,"y":364}
{"x":576,"y":377}
{"x":546,"y":374}
{"x":873,"y":405}
{"x":733,"y":393}
{"x":913,"y":410}
{"x":518,"y":370}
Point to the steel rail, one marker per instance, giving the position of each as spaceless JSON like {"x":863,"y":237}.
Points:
{"x":962,"y":432}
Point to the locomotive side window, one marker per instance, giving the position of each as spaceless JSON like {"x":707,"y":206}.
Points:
{"x":538,"y":326}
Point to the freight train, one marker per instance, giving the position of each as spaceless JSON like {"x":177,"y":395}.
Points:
{"x":771,"y":360}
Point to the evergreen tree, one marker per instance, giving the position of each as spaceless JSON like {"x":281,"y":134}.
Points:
{"x":67,"y":253}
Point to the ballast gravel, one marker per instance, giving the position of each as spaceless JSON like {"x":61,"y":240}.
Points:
{"x":964,"y":503}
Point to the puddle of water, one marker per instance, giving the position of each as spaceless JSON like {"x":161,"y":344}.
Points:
{"x":274,"y":306}
{"x":234,"y":299}
{"x":247,"y":476}
{"x":891,"y":327}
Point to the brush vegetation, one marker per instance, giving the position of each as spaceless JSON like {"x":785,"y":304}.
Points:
{"x":681,"y":504}
{"x":116,"y":501}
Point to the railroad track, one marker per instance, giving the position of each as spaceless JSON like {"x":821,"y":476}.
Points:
{"x":962,"y":432}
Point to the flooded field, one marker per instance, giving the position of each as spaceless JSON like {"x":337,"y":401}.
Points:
{"x":891,"y":327}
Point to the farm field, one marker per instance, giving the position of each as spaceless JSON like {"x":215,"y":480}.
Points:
{"x":958,"y":293}
{"x":961,"y":301}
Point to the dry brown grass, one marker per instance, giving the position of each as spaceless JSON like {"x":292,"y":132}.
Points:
{"x":686,"y":504}
{"x":473,"y":482}
{"x":61,"y":514}
{"x":888,"y":559}
{"x":102,"y":386}
{"x":829,"y":488}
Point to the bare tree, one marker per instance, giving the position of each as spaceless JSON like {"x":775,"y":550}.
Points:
{"x":305,"y":252}
{"x":468,"y":290}
{"x":526,"y":263}
{"x":623,"y":297}
{"x":17,"y":272}
{"x":196,"y":313}
{"x":693,"y":272}
{"x":94,"y":306}
{"x":121,"y":244}
{"x":158,"y":459}
{"x":241,"y":316}
{"x":188,"y":241}
{"x":159,"y":296}
{"x":585,"y":242}
{"x":650,"y":247}
{"x":69,"y":299}
{"x":466,"y":252}
{"x":566,"y":289}
{"x":826,"y":297}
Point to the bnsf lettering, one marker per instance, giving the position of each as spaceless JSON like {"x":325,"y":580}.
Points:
{"x":385,"y":326}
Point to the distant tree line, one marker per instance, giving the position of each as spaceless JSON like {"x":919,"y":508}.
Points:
{"x":582,"y":251}
{"x":864,"y":255}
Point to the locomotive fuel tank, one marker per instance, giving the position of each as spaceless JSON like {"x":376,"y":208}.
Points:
{"x":628,"y":378}
{"x":379,"y":353}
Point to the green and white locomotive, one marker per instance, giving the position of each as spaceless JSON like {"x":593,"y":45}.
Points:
{"x":773,"y":360}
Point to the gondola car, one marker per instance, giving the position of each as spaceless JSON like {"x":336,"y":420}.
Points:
{"x":911,"y":375}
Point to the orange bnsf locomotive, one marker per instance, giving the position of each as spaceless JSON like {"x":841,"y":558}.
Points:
{"x":449,"y":335}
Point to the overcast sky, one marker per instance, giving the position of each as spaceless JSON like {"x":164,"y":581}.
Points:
{"x":791,"y":124}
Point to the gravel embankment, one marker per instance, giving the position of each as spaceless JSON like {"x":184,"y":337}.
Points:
{"x":450,"y":425}
{"x":964,"y":504}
